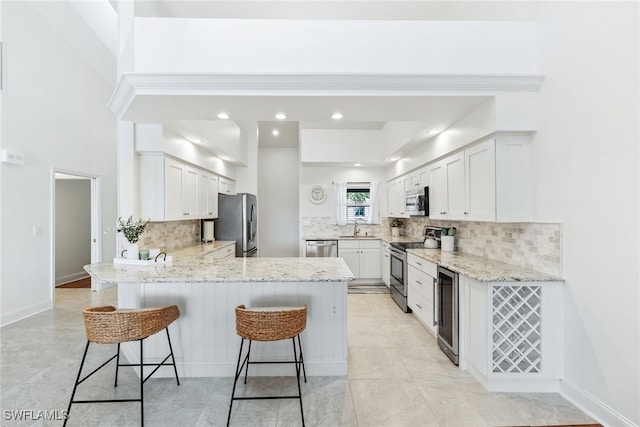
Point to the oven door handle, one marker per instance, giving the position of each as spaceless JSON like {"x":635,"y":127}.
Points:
{"x":434,"y":295}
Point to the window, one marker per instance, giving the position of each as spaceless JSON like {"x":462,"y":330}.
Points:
{"x":358,"y":202}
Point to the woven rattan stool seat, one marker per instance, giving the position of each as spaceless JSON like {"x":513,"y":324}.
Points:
{"x":270,"y":323}
{"x":106,"y":325}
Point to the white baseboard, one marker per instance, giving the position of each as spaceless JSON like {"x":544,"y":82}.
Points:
{"x":594,"y":407}
{"x":71,"y":278}
{"x":25,"y":312}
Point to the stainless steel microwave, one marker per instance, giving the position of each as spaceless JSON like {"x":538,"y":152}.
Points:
{"x":417,"y":202}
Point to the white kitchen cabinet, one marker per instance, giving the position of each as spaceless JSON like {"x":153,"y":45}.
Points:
{"x":396,"y":198}
{"x":226,"y":252}
{"x":385,"y":263}
{"x":489,"y":181}
{"x":181,"y":183}
{"x":511,"y":333}
{"x":419,"y":178}
{"x":421,"y":290}
{"x":437,"y":190}
{"x":480,"y":182}
{"x":208,"y":195}
{"x":169,"y":189}
{"x":361,"y":256}
{"x":226,"y":186}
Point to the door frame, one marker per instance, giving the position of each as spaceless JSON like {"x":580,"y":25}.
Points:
{"x":96,"y":221}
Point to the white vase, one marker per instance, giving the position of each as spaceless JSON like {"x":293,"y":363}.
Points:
{"x":133,"y":251}
{"x":447,"y":243}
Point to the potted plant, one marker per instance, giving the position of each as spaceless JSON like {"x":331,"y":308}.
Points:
{"x":447,"y":238}
{"x":395,"y":224}
{"x":132,"y":228}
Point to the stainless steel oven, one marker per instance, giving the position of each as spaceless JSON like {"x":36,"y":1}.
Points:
{"x":399,"y":269}
{"x":447,"y":312}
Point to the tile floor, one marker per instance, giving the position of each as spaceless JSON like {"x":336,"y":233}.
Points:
{"x":397,"y":377}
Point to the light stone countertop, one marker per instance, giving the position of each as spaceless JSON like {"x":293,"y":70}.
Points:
{"x":192,"y":264}
{"x":482,"y":269}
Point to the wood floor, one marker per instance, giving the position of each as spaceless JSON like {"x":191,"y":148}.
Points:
{"x":82,"y":283}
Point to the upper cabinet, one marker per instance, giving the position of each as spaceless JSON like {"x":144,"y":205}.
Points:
{"x":396,"y":198}
{"x":226,"y":186}
{"x":489,"y":181}
{"x":208,"y":195}
{"x":170,"y":190}
{"x":419,"y":178}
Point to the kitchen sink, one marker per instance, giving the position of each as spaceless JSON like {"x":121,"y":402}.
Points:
{"x":351,"y":236}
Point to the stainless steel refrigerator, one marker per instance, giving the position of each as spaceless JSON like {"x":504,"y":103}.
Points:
{"x":238,"y":220}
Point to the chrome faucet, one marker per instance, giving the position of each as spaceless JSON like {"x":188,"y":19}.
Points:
{"x":356,"y":229}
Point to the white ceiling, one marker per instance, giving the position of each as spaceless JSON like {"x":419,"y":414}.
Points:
{"x":307,"y":112}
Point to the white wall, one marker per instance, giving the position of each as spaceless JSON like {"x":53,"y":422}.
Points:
{"x":54,"y":111}
{"x":278,"y":187}
{"x":326,"y":46}
{"x":587,"y":177}
{"x":341,"y":146}
{"x":323,"y":175}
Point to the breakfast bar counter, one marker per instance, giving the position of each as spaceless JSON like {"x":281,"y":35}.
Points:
{"x":207,"y":290}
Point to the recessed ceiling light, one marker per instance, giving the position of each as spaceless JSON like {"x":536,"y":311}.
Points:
{"x":275,"y":132}
{"x":336,"y":116}
{"x":223,"y":116}
{"x":357,"y":164}
{"x":281,"y":116}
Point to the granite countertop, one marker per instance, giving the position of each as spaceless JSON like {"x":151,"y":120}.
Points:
{"x":482,"y":269}
{"x":191,"y":265}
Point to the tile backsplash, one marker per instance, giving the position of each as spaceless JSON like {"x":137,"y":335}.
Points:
{"x":170,"y":235}
{"x":531,"y":245}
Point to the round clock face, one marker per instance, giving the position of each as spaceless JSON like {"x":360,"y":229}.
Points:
{"x":317,"y":194}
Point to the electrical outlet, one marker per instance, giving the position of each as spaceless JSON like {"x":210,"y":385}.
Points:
{"x":37,"y":231}
{"x":334,"y":309}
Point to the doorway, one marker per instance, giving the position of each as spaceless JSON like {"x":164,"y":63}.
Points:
{"x":75,"y":239}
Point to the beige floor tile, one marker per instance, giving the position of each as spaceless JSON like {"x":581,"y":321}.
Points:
{"x":397,"y":377}
{"x":390,"y":402}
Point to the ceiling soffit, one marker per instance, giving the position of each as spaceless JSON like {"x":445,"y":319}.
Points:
{"x":132,"y":85}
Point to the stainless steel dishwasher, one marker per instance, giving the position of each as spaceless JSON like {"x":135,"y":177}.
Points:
{"x":322,"y":248}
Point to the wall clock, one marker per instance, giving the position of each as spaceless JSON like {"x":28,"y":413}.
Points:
{"x":317,"y":194}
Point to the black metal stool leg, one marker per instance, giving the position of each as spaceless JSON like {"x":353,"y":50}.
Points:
{"x":115,"y":383}
{"x":246,"y":369}
{"x":304,"y":371}
{"x":75,"y":386}
{"x":297,"y":364}
{"x":235,"y":381}
{"x":173,"y":359}
{"x":141,"y":386}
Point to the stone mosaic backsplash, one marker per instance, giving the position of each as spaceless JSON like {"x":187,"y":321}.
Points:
{"x":324,"y":226}
{"x":530,"y":245}
{"x":170,"y":235}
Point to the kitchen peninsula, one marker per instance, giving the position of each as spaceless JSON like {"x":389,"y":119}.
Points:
{"x":207,"y":290}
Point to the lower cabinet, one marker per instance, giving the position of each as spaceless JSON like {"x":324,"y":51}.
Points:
{"x":421,"y":290}
{"x":226,"y":252}
{"x":361,"y":256}
{"x":385,"y":263}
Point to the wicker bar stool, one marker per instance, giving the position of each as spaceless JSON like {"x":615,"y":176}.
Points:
{"x":269,"y":324}
{"x":106,"y":325}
